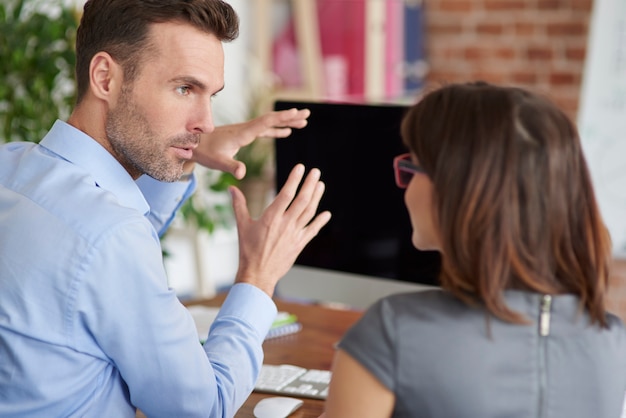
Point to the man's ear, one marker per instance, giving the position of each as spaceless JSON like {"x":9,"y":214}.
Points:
{"x":105,"y":77}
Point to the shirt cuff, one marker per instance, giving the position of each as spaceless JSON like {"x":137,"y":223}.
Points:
{"x":250,"y":304}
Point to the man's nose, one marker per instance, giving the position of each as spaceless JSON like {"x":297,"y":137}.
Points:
{"x":202,"y":122}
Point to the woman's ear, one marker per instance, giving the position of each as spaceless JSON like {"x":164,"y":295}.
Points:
{"x":105,"y":77}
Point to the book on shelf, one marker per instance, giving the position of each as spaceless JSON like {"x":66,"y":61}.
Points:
{"x":375,"y":59}
{"x":394,"y":49}
{"x":363,"y":47}
{"x":415,"y":67}
{"x":371,"y":50}
{"x":285,"y":323}
{"x":342,"y":43}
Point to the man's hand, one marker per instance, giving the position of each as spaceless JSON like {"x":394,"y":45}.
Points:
{"x":269,"y":246}
{"x":218,"y":149}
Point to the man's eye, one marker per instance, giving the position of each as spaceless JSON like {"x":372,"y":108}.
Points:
{"x":183,"y":90}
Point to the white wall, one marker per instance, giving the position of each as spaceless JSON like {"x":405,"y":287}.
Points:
{"x":602,"y":114}
{"x":214,"y":259}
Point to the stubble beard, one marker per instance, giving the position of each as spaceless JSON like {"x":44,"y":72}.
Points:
{"x":137,"y":147}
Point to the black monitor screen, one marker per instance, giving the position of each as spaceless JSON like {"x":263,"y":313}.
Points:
{"x":370,"y":232}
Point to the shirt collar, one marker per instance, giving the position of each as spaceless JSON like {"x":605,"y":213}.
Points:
{"x":80,"y":149}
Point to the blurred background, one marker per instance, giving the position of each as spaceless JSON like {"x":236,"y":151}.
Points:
{"x":365,"y":51}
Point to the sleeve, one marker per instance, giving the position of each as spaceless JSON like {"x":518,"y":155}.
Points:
{"x":150,"y":337}
{"x":372,"y":342}
{"x":164,"y":199}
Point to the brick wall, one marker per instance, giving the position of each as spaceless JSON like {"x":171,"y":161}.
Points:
{"x":537,"y":44}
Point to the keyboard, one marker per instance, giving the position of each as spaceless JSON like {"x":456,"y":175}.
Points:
{"x":286,"y":379}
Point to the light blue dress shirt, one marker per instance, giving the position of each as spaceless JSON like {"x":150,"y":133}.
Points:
{"x":88,"y":325}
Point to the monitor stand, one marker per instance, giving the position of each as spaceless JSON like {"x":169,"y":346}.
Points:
{"x":349,"y":290}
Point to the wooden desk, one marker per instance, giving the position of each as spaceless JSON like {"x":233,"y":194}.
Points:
{"x":312,"y":348}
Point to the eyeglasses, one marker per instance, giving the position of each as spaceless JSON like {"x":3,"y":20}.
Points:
{"x":404,"y":169}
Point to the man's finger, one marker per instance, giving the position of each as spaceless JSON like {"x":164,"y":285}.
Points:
{"x":287,"y":193}
{"x":312,"y":207}
{"x":239,"y":204}
{"x":307,"y":191}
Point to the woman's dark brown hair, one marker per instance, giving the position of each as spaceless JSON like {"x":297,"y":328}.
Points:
{"x":120,"y":27}
{"x":513,"y":197}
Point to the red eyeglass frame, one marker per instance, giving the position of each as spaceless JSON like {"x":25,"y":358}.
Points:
{"x":404,"y":168}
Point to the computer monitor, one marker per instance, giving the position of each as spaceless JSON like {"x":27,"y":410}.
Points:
{"x":370,"y":231}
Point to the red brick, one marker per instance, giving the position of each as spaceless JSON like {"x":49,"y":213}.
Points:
{"x":575,"y":53}
{"x":476,"y":53}
{"x":563,"y":79}
{"x":567,"y":28}
{"x":454,"y":5}
{"x":446,"y":53}
{"x":582,"y":5}
{"x":539,"y":53}
{"x":445,"y":76}
{"x":505,"y":53}
{"x":526,"y":78}
{"x":505,"y":5}
{"x":525,"y":29}
{"x":550,"y":4}
{"x":436,"y":29}
{"x":489,"y":29}
{"x":488,"y":76}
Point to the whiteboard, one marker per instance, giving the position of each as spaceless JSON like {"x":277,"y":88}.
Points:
{"x":602,"y":114}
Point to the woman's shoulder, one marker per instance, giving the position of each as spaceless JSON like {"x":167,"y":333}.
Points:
{"x":426,"y":299}
{"x":427,"y":304}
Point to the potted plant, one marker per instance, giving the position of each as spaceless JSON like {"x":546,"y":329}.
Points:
{"x":37,"y":62}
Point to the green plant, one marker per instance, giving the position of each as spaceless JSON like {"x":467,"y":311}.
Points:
{"x":204,"y":214}
{"x":37,"y":63}
{"x":256,"y":156}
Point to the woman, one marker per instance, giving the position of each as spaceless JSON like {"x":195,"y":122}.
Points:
{"x":496,"y":181}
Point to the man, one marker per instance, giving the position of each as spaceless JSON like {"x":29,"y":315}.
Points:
{"x":88,"y":326}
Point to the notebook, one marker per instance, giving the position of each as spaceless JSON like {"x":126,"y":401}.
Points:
{"x":203,"y":316}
